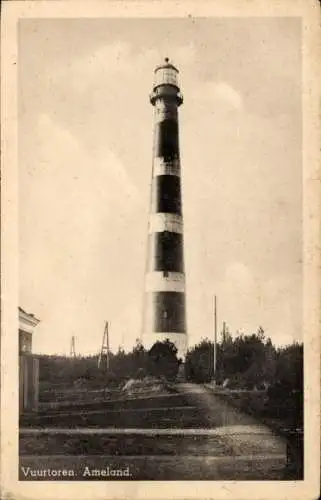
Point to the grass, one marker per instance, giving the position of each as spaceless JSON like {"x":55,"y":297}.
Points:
{"x":123,"y":445}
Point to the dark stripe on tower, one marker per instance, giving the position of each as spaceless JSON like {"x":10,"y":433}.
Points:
{"x":168,"y":312}
{"x":166,"y":194}
{"x":166,"y":139}
{"x":165,"y":252}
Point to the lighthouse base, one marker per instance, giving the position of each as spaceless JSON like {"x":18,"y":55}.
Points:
{"x":179,"y":339}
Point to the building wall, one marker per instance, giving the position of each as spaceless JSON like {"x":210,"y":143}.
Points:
{"x":29,"y":383}
{"x":28,"y":364}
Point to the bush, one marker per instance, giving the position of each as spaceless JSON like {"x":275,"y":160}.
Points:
{"x":163,"y":361}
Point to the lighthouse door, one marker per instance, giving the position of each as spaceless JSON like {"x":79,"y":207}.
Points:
{"x":165,"y":321}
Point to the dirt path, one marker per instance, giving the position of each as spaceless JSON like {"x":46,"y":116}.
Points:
{"x":242,"y":433}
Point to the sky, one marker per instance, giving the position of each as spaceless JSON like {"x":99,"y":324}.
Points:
{"x":85,"y":159}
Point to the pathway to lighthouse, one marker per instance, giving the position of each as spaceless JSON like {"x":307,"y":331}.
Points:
{"x":243,"y":434}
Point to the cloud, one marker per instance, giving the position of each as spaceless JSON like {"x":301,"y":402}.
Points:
{"x":76,"y":214}
{"x":107,"y":65}
{"x":216,"y":92}
{"x":224,"y":92}
{"x":114,"y":62}
{"x":107,"y":61}
{"x":239,"y":274}
{"x":71,"y":161}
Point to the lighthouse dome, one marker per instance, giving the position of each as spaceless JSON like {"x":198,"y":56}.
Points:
{"x":166,"y":74}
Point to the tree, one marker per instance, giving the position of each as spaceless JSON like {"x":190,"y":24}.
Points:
{"x":260,"y":333}
{"x":163,"y":361}
{"x":247,"y":361}
{"x":198,"y":363}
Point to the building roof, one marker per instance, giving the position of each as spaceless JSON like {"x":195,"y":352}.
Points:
{"x":22,"y":310}
{"x":165,"y":65}
{"x":31,"y":316}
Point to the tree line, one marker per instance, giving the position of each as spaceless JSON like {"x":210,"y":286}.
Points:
{"x":242,"y":362}
{"x":160,"y":361}
{"x":246,"y":362}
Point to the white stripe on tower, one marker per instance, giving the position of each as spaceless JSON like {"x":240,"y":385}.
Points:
{"x":162,"y":167}
{"x":159,"y":222}
{"x":165,"y":281}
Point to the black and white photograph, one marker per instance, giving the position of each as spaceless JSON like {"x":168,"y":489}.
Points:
{"x":161,"y":249}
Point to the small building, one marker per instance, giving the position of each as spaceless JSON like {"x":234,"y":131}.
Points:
{"x":28,"y":363}
{"x":27,"y":325}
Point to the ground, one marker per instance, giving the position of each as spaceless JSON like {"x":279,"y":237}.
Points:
{"x":188,"y":435}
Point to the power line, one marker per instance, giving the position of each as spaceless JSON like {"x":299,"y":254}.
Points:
{"x":72,"y":347}
{"x":215,"y":339}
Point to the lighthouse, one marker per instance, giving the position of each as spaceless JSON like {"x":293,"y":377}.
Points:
{"x":164,"y":315}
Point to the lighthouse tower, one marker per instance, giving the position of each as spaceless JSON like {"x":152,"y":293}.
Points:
{"x":164,"y":303}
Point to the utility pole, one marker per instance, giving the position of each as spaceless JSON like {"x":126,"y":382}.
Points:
{"x":224,"y":331}
{"x":104,"y":352}
{"x":215,"y":340}
{"x":72,"y":347}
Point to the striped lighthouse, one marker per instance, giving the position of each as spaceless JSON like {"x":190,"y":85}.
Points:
{"x":164,"y":302}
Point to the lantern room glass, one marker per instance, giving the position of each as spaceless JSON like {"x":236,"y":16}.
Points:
{"x":166,"y":76}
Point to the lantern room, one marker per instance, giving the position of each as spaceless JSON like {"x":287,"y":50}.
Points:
{"x":166,"y":83}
